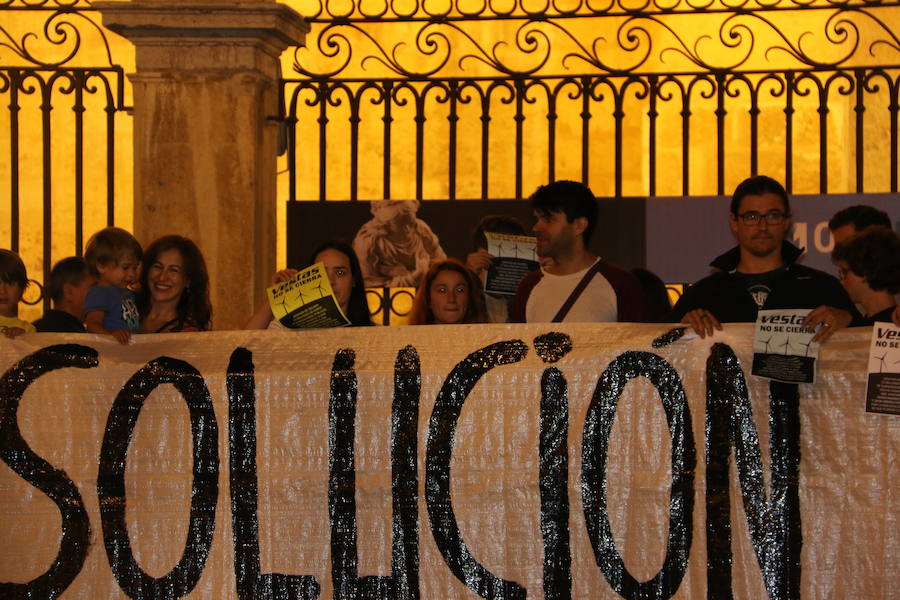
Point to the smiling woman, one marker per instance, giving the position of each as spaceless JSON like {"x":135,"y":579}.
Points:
{"x":174,"y":292}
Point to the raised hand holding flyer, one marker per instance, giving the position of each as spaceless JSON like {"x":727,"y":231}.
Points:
{"x":883,"y":387}
{"x":514,"y":258}
{"x":783,"y":349}
{"x":306,"y":301}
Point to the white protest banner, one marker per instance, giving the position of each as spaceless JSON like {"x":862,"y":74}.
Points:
{"x":453,"y":462}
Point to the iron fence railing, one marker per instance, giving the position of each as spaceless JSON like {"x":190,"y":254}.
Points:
{"x":57,"y":90}
{"x":338,"y":107}
{"x":60,"y":91}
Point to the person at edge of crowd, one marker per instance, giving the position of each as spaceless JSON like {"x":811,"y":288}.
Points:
{"x":761,"y":272}
{"x":655,"y":294}
{"x":345,"y":277}
{"x":449,"y":294}
{"x":479,"y":261}
{"x":849,"y":221}
{"x":869,"y":267}
{"x":113,"y":255}
{"x":67,"y":287}
{"x":173,"y":296}
{"x":577,"y":286}
{"x":13,"y":281}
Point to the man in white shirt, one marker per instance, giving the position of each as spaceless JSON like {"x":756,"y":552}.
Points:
{"x":577,"y":285}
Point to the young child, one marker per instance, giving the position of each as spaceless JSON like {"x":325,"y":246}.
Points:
{"x":112,"y":255}
{"x":13,"y":281}
{"x":69,"y":283}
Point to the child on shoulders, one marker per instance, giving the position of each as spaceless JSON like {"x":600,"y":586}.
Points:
{"x":13,"y":281}
{"x":113,"y":256}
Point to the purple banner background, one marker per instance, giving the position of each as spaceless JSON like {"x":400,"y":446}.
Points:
{"x":685,"y":234}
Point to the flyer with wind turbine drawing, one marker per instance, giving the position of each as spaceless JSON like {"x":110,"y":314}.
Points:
{"x":883,"y":388}
{"x":306,"y":301}
{"x":783,"y":349}
{"x":514,"y":258}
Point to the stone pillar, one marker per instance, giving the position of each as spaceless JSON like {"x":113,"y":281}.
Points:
{"x":205,"y":133}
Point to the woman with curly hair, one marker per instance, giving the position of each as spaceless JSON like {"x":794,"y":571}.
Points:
{"x":174,"y":287}
{"x":449,"y":294}
{"x":869,"y":268}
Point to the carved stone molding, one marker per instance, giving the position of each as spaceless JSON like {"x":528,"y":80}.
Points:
{"x":193,"y":35}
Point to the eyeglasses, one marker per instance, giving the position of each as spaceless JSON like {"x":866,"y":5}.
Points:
{"x":773,"y":217}
{"x":842,"y":272}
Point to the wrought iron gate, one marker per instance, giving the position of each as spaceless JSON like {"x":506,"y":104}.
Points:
{"x":654,"y":97}
{"x":61,"y":91}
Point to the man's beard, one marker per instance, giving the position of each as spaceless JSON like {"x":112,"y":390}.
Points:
{"x":554,"y":248}
{"x":545,"y":250}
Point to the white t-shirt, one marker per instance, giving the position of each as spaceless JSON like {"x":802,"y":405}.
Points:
{"x":497,"y":308}
{"x":596,"y":304}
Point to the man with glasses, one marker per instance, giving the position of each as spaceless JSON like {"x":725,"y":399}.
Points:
{"x":761,"y":272}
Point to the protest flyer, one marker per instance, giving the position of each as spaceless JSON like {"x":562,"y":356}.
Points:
{"x":306,"y":301}
{"x":883,"y":386}
{"x":514,"y":258}
{"x":783,"y":349}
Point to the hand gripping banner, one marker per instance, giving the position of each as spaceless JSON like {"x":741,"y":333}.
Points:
{"x":441,"y":462}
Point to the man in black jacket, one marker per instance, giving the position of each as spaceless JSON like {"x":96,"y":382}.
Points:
{"x":761,"y":273}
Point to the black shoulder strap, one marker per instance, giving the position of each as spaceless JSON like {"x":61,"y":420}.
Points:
{"x":573,"y":297}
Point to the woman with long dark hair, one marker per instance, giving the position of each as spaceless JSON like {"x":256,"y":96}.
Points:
{"x":174,"y":287}
{"x":345,"y":277}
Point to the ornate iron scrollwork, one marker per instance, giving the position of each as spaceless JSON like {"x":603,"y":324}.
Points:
{"x":54,"y":35}
{"x":437,"y":10}
{"x":451,"y":39}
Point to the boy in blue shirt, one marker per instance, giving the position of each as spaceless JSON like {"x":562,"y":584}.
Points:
{"x":113,"y":256}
